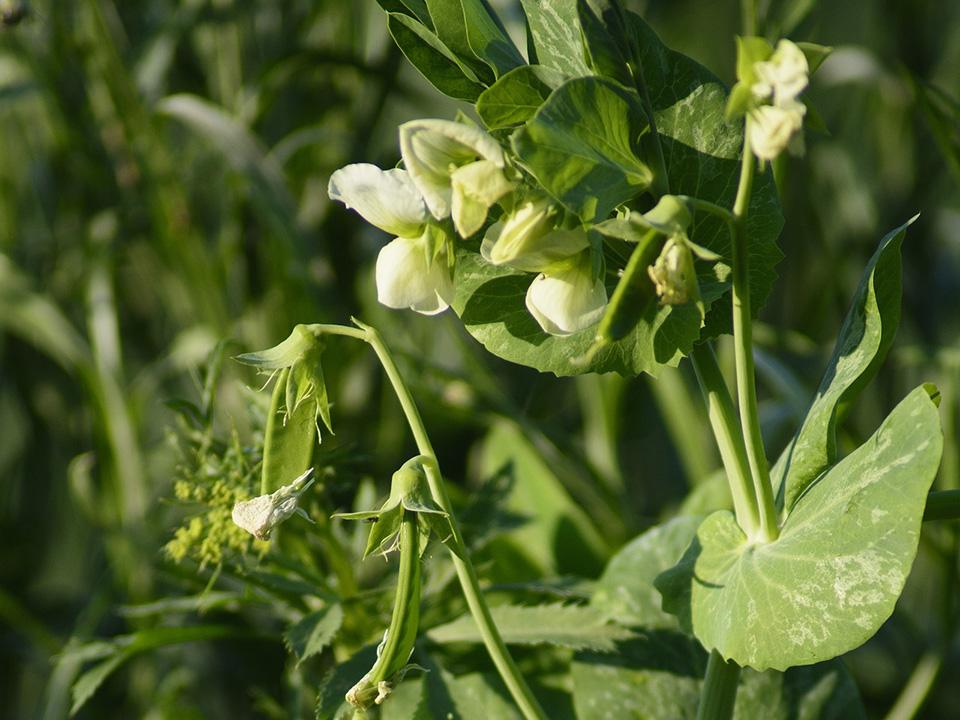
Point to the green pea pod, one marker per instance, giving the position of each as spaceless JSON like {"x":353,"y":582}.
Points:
{"x":289,"y":437}
{"x":398,"y":641}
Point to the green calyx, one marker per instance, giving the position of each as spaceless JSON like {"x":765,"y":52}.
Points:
{"x":409,"y":497}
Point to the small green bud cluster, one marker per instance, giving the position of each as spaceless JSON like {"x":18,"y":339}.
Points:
{"x":455,"y":175}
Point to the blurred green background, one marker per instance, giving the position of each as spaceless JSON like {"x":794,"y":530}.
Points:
{"x":163,"y":174}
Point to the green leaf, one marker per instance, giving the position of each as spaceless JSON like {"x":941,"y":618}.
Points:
{"x":451,"y":29}
{"x":314,"y":632}
{"x":833,"y":576}
{"x":91,"y":680}
{"x":559,"y":537}
{"x":432,"y":58}
{"x":864,"y":339}
{"x":625,"y":592}
{"x":408,"y":701}
{"x":572,"y":626}
{"x":658,"y":674}
{"x":124,"y":647}
{"x":555,"y":31}
{"x":488,"y":38}
{"x":605,"y":55}
{"x":288,"y":439}
{"x":416,"y":9}
{"x":331,"y":702}
{"x":473,"y":696}
{"x":516,"y":96}
{"x":580,"y":146}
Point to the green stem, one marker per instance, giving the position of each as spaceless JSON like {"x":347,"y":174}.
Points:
{"x":918,"y":687}
{"x":719,"y":689}
{"x":748,"y":16}
{"x":466,"y":573}
{"x":723,"y":420}
{"x":743,"y":352}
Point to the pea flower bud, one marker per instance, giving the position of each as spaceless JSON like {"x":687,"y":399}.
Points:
{"x":674,"y":274}
{"x":783,"y":77}
{"x":527,"y":239}
{"x":772,"y":128}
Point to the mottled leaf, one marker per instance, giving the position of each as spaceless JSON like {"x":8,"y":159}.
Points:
{"x":581,"y":146}
{"x":833,"y":576}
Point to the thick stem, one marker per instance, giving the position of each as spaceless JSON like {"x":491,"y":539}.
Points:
{"x":466,"y":573}
{"x":743,"y":352}
{"x":723,"y":420}
{"x":719,"y":689}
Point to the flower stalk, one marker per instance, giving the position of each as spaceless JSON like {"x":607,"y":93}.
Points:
{"x":466,"y":573}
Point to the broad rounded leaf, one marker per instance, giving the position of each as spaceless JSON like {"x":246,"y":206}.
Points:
{"x":833,"y":576}
{"x":658,"y":674}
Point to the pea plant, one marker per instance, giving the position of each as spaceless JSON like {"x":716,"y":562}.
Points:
{"x":610,"y":207}
{"x":601,"y":204}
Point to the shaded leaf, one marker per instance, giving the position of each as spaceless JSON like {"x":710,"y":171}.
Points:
{"x":572,"y":626}
{"x":314,"y":631}
{"x":516,"y":96}
{"x":432,"y":58}
{"x":331,"y":701}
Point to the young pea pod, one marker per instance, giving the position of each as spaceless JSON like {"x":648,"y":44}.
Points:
{"x":403,"y":523}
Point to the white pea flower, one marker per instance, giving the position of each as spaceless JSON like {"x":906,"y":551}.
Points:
{"x":568,"y":297}
{"x":527,"y":240}
{"x":784,"y":76}
{"x":259,"y":515}
{"x":413,"y":270}
{"x":433,"y":151}
{"x":772,"y":127}
{"x":411,"y":275}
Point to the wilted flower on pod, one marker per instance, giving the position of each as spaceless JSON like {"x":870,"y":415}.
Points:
{"x":415,"y":270}
{"x":260,"y":515}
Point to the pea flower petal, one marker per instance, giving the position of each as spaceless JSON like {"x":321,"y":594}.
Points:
{"x":568,"y":297}
{"x":385,"y":198}
{"x":409,"y":276}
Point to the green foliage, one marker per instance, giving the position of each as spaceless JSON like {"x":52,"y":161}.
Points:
{"x":572,"y":626}
{"x":862,"y":344}
{"x":834,"y":575}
